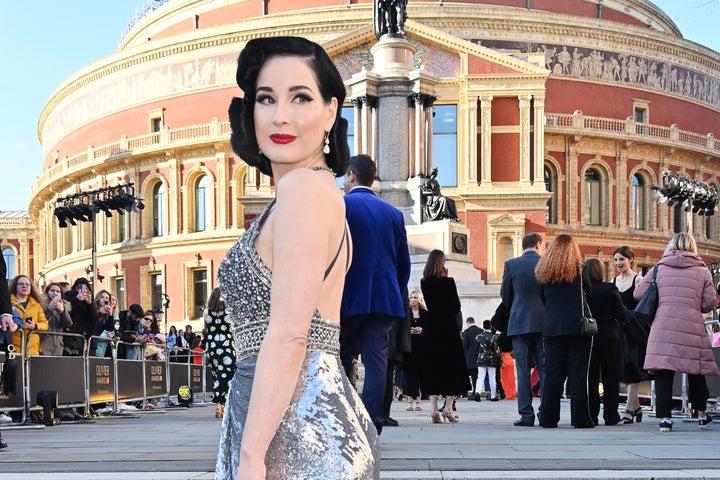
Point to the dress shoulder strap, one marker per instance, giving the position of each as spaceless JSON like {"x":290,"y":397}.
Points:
{"x":332,"y":264}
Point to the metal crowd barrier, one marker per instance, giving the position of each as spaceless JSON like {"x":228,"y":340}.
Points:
{"x":86,"y":380}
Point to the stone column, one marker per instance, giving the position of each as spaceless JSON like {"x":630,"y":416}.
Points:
{"x":419,"y":160}
{"x":539,"y":143}
{"x":573,"y":202}
{"x":524,"y":157}
{"x":393,"y":61}
{"x":358,"y":133}
{"x":621,"y":197}
{"x":471,"y":143}
{"x":223,"y":207}
{"x":485,"y":142}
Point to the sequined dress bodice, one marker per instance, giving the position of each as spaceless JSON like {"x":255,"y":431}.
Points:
{"x":245,"y":281}
{"x":326,"y":432}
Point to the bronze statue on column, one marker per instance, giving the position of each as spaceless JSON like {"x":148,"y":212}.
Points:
{"x":389,"y":17}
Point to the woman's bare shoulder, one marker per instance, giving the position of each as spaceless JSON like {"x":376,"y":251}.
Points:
{"x":305,"y":187}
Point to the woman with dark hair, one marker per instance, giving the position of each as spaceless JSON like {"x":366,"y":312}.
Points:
{"x":609,"y":312}
{"x":567,"y":351}
{"x":443,"y":366}
{"x":634,"y":334}
{"x":678,"y":341}
{"x":220,"y":350}
{"x":27,"y":303}
{"x":282,"y":282}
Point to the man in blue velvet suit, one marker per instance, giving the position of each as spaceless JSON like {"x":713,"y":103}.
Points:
{"x":521,"y":293}
{"x":380,"y":271}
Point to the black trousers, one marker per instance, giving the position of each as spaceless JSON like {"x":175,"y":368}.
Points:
{"x":605,"y":367}
{"x":567,"y":357}
{"x":390,"y":377}
{"x":697,"y":392}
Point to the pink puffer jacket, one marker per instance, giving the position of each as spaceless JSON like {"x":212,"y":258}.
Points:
{"x":678,"y":340}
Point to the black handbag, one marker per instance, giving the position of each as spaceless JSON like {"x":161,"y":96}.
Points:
{"x":588,"y":325}
{"x":648,"y":304}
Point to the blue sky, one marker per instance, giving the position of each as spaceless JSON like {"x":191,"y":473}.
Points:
{"x":44,"y":42}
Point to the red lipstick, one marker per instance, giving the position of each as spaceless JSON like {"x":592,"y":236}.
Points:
{"x":282,"y":139}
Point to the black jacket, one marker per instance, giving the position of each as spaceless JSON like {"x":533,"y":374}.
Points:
{"x":608,"y":309}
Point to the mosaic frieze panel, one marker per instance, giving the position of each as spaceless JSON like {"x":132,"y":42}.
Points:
{"x":570,"y":61}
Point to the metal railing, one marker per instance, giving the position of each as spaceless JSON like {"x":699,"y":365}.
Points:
{"x":86,"y":380}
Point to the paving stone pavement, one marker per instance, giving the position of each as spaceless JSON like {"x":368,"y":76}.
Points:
{"x":179,"y":443}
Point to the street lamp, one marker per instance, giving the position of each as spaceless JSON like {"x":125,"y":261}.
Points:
{"x":161,"y":310}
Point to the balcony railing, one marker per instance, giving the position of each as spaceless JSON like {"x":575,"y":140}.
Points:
{"x":216,"y":131}
{"x":104,"y":155}
{"x":579,"y":124}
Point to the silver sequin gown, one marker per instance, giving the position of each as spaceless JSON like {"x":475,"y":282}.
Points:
{"x":326,"y":432}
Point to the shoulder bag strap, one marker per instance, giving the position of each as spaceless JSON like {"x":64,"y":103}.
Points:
{"x":584,"y":305}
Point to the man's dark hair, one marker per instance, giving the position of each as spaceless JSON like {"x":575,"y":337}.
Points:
{"x":531,"y":240}
{"x":136,"y":310}
{"x":487,"y":325}
{"x":470,"y":320}
{"x":364,"y":169}
{"x":80,"y":281}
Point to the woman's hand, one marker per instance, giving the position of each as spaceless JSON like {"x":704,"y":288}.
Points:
{"x":30,"y":324}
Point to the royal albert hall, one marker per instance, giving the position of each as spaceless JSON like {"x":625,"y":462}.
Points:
{"x":541,"y":115}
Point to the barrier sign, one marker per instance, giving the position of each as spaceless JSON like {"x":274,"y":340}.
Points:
{"x":101,"y":379}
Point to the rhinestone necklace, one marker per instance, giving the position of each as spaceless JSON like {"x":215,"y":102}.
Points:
{"x":323,"y":167}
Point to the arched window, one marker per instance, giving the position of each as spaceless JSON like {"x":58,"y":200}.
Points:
{"x":158,"y":203}
{"x":9,"y":256}
{"x":593,"y":197}
{"x":638,"y":199}
{"x":550,"y":179}
{"x":202,"y":190}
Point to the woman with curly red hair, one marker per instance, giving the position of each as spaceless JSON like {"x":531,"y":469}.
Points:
{"x":567,"y":351}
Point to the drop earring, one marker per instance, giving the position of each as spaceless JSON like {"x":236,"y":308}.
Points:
{"x":326,"y":148}
{"x":259,"y":151}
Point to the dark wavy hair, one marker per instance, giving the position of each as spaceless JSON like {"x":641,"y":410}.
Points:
{"x":252,"y":58}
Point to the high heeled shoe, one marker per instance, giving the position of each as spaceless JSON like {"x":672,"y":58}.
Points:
{"x":632,"y":415}
{"x":435,"y":417}
{"x":449,"y":416}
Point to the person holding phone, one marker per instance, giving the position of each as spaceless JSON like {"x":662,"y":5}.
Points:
{"x":57,"y":312}
{"x":83,"y":314}
{"x":105,"y":324}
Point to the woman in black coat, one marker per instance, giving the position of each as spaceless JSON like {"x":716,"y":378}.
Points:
{"x":606,"y":358}
{"x":443,"y":365}
{"x":567,"y":351}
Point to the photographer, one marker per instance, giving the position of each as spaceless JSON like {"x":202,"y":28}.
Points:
{"x":57,"y":312}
